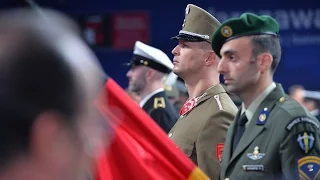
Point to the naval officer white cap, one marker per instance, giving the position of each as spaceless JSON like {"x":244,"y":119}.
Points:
{"x":152,"y":57}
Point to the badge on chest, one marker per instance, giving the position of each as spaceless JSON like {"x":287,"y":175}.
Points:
{"x":255,"y":155}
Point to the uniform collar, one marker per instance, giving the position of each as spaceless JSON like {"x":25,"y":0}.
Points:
{"x":193,"y":102}
{"x":210,"y":92}
{"x":145,"y":99}
{"x":255,"y":104}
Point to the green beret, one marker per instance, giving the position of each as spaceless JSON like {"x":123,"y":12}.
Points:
{"x":246,"y":25}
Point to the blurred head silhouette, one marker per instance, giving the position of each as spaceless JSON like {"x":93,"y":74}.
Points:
{"x":49,"y":80}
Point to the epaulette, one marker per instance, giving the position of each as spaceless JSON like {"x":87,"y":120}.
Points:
{"x":298,"y":114}
{"x":292,"y":107}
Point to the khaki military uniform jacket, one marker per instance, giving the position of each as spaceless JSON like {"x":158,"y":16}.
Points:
{"x":202,"y":131}
{"x":282,"y":141}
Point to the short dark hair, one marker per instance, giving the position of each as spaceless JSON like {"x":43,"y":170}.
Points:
{"x":34,"y":78}
{"x":267,"y":43}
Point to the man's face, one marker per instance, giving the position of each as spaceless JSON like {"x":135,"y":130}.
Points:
{"x":188,"y":58}
{"x":237,"y":66}
{"x":137,"y":79}
{"x":298,"y":95}
{"x":310,"y":104}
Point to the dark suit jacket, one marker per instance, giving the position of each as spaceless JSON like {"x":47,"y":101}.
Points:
{"x":288,"y":141}
{"x":161,"y":111}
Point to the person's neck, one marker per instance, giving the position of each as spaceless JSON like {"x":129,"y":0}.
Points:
{"x":149,"y":88}
{"x":198,"y":86}
{"x":254,"y":91}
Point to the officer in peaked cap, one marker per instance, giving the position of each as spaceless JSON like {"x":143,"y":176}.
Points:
{"x":149,"y":67}
{"x":273,"y":136}
{"x":209,"y":108}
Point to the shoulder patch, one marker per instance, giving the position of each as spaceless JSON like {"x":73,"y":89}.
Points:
{"x":309,"y":167}
{"x":303,"y":120}
{"x":306,"y":141}
{"x":159,"y":103}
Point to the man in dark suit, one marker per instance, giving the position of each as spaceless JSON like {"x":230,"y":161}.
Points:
{"x":273,"y":136}
{"x":149,"y":68}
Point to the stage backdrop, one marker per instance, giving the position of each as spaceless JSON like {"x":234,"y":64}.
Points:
{"x":111,"y":27}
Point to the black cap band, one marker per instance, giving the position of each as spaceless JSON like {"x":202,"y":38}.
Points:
{"x":140,"y":60}
{"x":187,"y":37}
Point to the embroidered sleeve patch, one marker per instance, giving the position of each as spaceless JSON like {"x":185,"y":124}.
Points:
{"x":219,"y":151}
{"x":306,"y":141}
{"x":303,"y":120}
{"x":309,"y":168}
{"x":159,"y":103}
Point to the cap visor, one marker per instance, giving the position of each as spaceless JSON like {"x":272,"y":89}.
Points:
{"x":187,"y":37}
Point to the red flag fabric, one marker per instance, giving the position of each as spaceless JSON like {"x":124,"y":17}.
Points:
{"x":140,"y":150}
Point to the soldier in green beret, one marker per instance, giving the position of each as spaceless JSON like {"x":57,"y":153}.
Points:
{"x":273,"y":136}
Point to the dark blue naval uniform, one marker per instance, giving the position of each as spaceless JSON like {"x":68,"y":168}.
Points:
{"x":161,"y":111}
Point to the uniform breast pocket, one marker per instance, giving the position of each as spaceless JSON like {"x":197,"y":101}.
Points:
{"x":186,"y":145}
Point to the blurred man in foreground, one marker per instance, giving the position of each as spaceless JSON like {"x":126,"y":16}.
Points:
{"x":49,"y":80}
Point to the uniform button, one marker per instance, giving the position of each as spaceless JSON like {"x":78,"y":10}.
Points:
{"x":169,"y":135}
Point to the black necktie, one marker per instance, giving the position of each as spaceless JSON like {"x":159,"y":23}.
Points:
{"x":240,"y":127}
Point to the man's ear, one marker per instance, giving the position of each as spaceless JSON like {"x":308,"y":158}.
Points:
{"x":264,"y":61}
{"x":149,"y":74}
{"x":210,"y":58}
{"x":45,"y":133}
